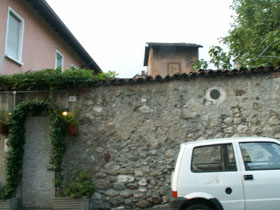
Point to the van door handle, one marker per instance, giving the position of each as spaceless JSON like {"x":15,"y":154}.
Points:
{"x":248,"y":177}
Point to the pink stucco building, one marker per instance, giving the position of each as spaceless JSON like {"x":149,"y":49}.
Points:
{"x":32,"y":37}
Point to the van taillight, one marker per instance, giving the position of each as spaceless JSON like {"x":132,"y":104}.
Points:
{"x":174,"y":194}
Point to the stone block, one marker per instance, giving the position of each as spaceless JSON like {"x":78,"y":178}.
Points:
{"x":126,"y":178}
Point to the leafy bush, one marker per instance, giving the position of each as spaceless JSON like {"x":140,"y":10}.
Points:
{"x":3,"y":117}
{"x":52,"y":79}
{"x":106,"y":76}
{"x":80,"y":185}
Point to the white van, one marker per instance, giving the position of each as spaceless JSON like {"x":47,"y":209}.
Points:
{"x":227,"y":174}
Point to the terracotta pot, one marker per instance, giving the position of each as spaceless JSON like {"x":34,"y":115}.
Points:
{"x":84,"y":90}
{"x":3,"y":129}
{"x":72,"y":129}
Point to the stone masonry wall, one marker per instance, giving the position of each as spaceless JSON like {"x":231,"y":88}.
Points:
{"x":130,"y":135}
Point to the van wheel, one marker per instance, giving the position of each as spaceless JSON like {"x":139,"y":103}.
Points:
{"x":198,"y":207}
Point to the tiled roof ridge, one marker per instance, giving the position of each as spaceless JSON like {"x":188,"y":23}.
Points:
{"x":173,"y":44}
{"x":192,"y":75}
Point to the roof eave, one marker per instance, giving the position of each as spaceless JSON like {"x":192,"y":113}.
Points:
{"x":146,"y":56}
{"x":44,"y":9}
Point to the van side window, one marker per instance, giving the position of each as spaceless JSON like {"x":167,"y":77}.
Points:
{"x":260,"y":155}
{"x":213,"y":158}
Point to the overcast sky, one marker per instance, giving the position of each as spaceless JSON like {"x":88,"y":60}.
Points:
{"x":115,"y":32}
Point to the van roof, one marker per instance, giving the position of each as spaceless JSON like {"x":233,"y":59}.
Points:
{"x":224,"y":140}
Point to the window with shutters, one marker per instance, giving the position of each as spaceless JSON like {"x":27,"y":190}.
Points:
{"x":14,"y":39}
{"x":173,"y":68}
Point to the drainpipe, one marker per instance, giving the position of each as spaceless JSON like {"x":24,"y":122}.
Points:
{"x":15,"y":98}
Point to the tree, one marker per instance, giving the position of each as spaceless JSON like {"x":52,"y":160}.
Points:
{"x":254,"y":37}
{"x":219,"y":58}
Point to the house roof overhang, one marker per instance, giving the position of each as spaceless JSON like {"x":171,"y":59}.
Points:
{"x":44,"y":9}
{"x":166,"y":45}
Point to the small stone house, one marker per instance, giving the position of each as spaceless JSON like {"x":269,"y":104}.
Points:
{"x":170,"y":58}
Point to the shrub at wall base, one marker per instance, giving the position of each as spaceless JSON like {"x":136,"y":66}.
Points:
{"x":76,"y":193}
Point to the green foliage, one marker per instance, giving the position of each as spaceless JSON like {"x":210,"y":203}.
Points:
{"x":106,"y":76}
{"x":220,"y":59}
{"x":72,"y":118}
{"x":200,"y":64}
{"x":50,"y":79}
{"x":80,"y":185}
{"x":14,"y":159}
{"x":254,"y":38}
{"x":3,"y":117}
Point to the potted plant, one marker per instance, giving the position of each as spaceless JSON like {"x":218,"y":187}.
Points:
{"x":76,"y":192}
{"x":71,"y":119}
{"x":3,"y":122}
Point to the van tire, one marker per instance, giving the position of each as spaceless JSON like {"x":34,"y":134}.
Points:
{"x":198,"y":206}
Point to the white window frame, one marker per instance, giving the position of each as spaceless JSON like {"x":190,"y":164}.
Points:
{"x":62,"y":62}
{"x":73,"y":66}
{"x":21,"y":33}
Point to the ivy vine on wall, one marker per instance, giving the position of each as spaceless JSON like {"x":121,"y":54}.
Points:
{"x":14,"y":159}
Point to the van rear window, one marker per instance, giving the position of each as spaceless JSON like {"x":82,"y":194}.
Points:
{"x":213,"y":158}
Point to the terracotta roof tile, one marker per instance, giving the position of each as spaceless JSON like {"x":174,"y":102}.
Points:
{"x":193,"y":75}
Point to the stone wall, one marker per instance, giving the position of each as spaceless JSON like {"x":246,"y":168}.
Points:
{"x":130,"y":135}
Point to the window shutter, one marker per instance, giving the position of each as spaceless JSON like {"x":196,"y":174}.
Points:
{"x":13,"y":37}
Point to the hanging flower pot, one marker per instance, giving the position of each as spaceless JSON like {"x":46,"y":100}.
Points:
{"x":71,"y":118}
{"x":72,"y":129}
{"x":3,"y":129}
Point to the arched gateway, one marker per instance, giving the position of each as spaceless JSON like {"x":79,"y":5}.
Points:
{"x":37,"y":141}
